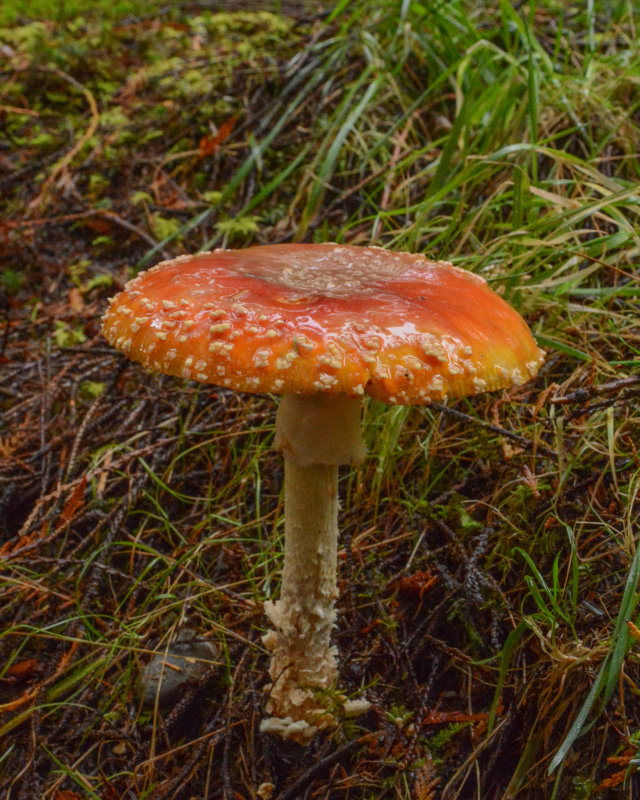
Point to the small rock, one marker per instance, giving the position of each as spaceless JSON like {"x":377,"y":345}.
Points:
{"x":187,"y":659}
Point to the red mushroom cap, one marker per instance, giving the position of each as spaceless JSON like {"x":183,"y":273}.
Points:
{"x":302,"y":319}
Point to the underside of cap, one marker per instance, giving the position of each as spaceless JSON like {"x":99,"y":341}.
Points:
{"x":330,"y":319}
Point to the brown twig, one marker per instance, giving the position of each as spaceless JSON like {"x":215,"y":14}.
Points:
{"x":62,"y":165}
{"x":91,"y":212}
{"x":527,"y":444}
{"x":587,"y":392}
{"x":300,"y":784}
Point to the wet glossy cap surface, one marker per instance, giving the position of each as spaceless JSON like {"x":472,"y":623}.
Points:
{"x":323,"y":318}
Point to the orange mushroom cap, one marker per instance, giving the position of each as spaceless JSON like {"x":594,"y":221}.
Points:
{"x":309,"y":318}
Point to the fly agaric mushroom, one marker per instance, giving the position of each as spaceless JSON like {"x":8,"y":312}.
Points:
{"x":323,"y":325}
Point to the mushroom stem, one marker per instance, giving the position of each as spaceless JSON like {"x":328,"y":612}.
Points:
{"x":316,"y":434}
{"x":302,"y":658}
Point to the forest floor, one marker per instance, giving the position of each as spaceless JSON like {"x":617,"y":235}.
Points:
{"x":488,"y":561}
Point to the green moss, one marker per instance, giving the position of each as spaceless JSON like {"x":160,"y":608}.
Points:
{"x":65,"y":335}
{"x":68,"y":10}
{"x":164,"y":226}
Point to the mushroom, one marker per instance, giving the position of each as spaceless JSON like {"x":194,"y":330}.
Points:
{"x":323,"y":325}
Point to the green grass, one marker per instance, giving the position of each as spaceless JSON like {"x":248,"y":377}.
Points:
{"x":503,"y":138}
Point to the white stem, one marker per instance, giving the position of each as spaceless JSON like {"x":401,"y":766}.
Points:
{"x":303,"y":660}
